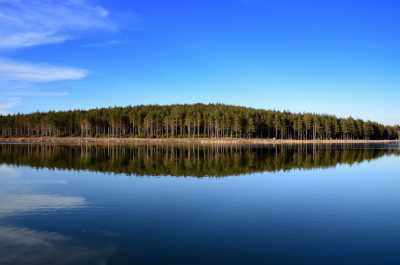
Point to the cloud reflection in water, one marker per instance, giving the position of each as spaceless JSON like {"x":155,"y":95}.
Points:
{"x":23,"y":245}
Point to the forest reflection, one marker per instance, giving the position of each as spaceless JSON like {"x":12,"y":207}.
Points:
{"x":188,"y":160}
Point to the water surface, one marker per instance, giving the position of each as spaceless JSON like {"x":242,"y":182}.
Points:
{"x":311,"y":204}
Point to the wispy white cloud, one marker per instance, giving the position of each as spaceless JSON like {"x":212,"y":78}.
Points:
{"x":20,"y":40}
{"x":30,"y":23}
{"x":14,"y":205}
{"x":17,"y":71}
{"x":25,"y":23}
{"x":22,"y":245}
{"x":28,"y":237}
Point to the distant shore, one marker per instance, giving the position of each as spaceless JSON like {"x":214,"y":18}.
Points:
{"x":201,"y":141}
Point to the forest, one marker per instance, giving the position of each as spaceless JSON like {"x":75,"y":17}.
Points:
{"x":192,"y":120}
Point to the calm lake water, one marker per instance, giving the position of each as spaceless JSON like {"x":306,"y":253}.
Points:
{"x":312,"y":204}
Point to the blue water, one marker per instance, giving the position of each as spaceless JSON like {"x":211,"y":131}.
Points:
{"x":344,"y":214}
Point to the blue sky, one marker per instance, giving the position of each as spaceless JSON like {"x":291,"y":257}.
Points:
{"x":337,"y":57}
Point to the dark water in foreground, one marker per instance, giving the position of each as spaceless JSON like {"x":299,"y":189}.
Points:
{"x":199,"y":205}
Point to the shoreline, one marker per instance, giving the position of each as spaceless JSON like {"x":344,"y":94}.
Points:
{"x":177,"y":141}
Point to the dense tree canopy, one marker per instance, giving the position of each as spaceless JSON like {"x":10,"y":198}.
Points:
{"x":196,"y":120}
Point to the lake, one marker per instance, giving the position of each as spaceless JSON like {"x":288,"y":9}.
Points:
{"x":154,"y":204}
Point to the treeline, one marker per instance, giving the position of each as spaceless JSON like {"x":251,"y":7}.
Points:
{"x":187,"y":160}
{"x":196,"y":120}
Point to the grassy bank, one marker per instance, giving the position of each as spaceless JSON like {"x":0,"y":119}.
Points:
{"x":220,"y":141}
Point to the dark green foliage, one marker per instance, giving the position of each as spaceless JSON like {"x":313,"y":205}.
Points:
{"x":187,"y":160}
{"x":197,"y":120}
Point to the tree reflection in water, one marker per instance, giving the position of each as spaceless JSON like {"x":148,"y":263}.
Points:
{"x":189,"y":160}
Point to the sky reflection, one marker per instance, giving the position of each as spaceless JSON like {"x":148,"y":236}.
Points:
{"x":23,"y":245}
